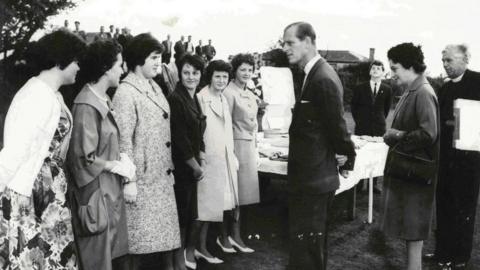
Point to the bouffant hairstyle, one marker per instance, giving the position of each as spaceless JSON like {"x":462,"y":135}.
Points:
{"x":242,"y":58}
{"x":193,"y":60}
{"x":217,"y":65}
{"x":59,"y":48}
{"x":408,"y":55}
{"x":139,"y":48}
{"x":99,"y":57}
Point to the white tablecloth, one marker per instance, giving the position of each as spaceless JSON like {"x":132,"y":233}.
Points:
{"x":370,"y":160}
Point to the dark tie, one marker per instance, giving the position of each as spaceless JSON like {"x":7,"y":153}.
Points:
{"x":375,"y":90}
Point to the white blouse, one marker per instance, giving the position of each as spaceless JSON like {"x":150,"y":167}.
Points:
{"x":29,"y":128}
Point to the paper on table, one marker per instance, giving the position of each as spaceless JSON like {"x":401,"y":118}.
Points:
{"x":277,"y":86}
{"x":467,"y":126}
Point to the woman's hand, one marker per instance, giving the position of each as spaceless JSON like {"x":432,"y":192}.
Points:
{"x":392,"y":136}
{"x":341,"y":160}
{"x":130,"y":192}
{"x":198,"y":173}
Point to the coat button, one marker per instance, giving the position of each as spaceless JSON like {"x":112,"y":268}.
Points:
{"x":168,"y":144}
{"x":165,"y":115}
{"x":169,"y":171}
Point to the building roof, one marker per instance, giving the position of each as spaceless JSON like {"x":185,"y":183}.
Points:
{"x":342,"y":56}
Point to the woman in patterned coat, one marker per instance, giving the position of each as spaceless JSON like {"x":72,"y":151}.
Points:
{"x":143,"y":118}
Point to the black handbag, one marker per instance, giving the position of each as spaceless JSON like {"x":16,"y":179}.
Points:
{"x":410,"y":167}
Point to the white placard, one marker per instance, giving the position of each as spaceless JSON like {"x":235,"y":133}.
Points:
{"x":467,"y":126}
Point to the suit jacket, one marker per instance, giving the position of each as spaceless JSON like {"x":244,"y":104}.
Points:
{"x":168,"y":46}
{"x":370,"y":112}
{"x":199,"y":50}
{"x":188,"y":124}
{"x":179,"y":48}
{"x":467,"y":88}
{"x":318,"y":132}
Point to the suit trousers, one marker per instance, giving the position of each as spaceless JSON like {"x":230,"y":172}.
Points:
{"x":457,"y":196}
{"x":308,"y":230}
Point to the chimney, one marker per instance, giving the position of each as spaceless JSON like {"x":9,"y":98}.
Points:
{"x":372,"y":55}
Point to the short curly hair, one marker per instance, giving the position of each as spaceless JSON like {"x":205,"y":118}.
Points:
{"x":217,"y":65}
{"x":408,"y":55}
{"x":59,"y":48}
{"x":100,"y":57}
{"x":193,"y":60}
{"x":139,"y":48}
{"x":242,"y":58}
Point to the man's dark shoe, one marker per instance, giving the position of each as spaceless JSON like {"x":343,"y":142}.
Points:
{"x":445,"y":266}
{"x":460,"y":266}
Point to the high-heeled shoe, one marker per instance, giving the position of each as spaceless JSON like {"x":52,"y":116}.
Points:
{"x":242,"y":249}
{"x":188,"y":264}
{"x":225,"y":249}
{"x":214,"y":260}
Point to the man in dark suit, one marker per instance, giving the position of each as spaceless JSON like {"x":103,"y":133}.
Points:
{"x":459,"y":170}
{"x":370,"y":105}
{"x":209,"y":50}
{"x":199,"y":49}
{"x":167,"y":54}
{"x":189,"y":46}
{"x":179,"y":48}
{"x":317,"y":134}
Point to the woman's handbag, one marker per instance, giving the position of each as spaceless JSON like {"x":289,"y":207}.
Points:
{"x":410,"y":167}
{"x":92,"y":215}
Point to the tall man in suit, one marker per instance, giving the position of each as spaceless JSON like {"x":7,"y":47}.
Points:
{"x":459,"y":176}
{"x":179,"y":48}
{"x":167,"y":54}
{"x":370,"y":105}
{"x":199,"y":49}
{"x":209,"y":50}
{"x":317,"y":133}
{"x":189,"y":46}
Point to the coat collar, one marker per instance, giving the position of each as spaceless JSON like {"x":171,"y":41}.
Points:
{"x":417,"y":83}
{"x":242,"y":92}
{"x":314,"y":69}
{"x":86,"y":96}
{"x":148,"y":88}
{"x":183,"y":93}
{"x":209,"y":99}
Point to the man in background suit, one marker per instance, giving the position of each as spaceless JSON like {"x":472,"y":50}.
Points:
{"x":370,"y":106}
{"x":189,"y":46}
{"x":317,"y":133}
{"x":179,"y":48}
{"x":199,"y":49}
{"x":209,"y":50}
{"x":167,"y":54}
{"x":459,"y":171}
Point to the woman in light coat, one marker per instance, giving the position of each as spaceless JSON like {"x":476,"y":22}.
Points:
{"x":243,"y":108}
{"x":143,"y":117}
{"x":218,"y":191}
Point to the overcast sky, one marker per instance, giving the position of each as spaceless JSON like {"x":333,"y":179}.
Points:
{"x":253,"y":25}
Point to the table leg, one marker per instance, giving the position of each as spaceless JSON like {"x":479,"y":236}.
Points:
{"x":352,"y":202}
{"x":370,"y":199}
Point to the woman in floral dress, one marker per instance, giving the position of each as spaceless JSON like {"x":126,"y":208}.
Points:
{"x":36,"y":230}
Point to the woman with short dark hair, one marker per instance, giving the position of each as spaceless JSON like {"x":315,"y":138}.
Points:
{"x":408,"y":200}
{"x":218,"y":192}
{"x":188,"y":152}
{"x":243,"y":109}
{"x":96,"y":164}
{"x":143,"y":117}
{"x":36,"y":230}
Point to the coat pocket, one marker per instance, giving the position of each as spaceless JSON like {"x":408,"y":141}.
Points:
{"x":92,"y":215}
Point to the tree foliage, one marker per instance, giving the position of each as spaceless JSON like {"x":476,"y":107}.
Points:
{"x":20,"y":19}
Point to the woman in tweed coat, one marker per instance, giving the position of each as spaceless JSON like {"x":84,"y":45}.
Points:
{"x":143,"y":118}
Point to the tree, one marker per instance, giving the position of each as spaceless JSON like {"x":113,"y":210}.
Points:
{"x":20,"y":19}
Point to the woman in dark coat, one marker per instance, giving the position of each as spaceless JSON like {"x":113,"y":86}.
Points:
{"x":408,"y":205}
{"x":188,"y":150}
{"x":94,"y":160}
